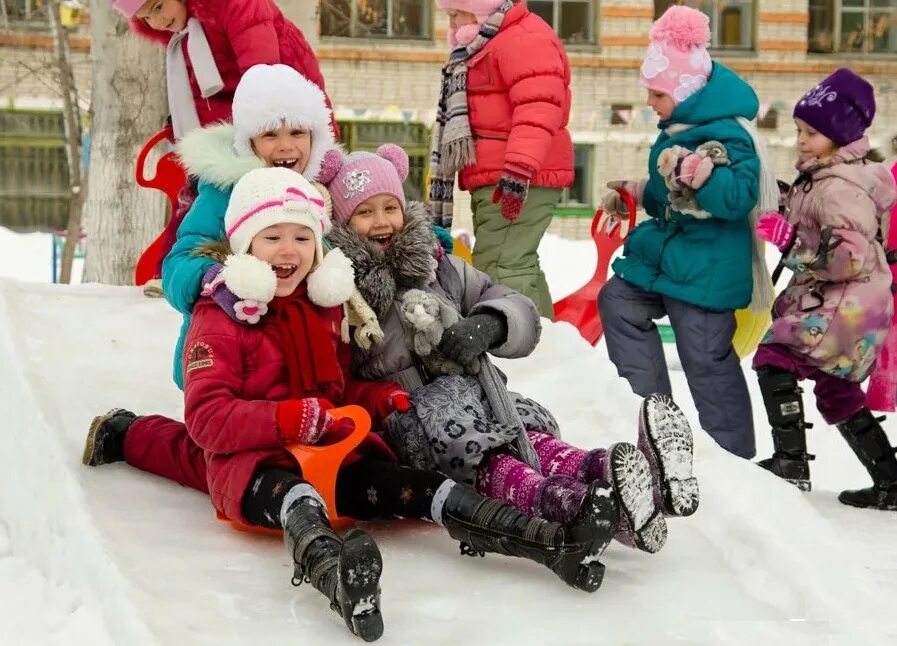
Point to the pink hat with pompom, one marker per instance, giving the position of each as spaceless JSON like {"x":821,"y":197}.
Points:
{"x":482,"y":9}
{"x":128,"y":7}
{"x":354,"y":178}
{"x":677,"y":62}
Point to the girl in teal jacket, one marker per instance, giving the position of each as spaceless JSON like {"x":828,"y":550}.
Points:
{"x":696,"y":259}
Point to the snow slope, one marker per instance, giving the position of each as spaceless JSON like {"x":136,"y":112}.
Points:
{"x":115,"y":556}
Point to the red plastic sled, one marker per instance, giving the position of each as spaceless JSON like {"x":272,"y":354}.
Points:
{"x":581,"y":307}
{"x":169,"y":178}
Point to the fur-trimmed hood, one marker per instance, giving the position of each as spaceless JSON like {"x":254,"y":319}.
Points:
{"x":208,"y":154}
{"x":408,"y":263}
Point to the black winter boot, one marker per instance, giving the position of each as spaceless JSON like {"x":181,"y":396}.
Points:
{"x":785,"y":410}
{"x":346,"y":572}
{"x":867,"y":438}
{"x":570,"y":551}
{"x":106,"y":438}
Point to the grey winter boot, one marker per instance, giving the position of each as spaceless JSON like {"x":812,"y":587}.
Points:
{"x":571,"y":551}
{"x":864,"y":434}
{"x":785,"y":409}
{"x":106,"y":437}
{"x":346,"y":572}
{"x":664,"y":436}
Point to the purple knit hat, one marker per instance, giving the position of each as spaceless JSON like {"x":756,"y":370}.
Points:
{"x":841,"y":107}
{"x":352,"y":179}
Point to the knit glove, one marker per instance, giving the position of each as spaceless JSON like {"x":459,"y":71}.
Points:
{"x":775,"y":229}
{"x":510,"y":193}
{"x":467,"y":339}
{"x":307,"y":421}
{"x":614,"y":212}
{"x":243,"y":286}
{"x":392,"y":399}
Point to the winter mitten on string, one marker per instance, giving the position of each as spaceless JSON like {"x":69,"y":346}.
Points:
{"x":614,"y":210}
{"x":392,"y":399}
{"x":510,"y":194}
{"x":243,"y":286}
{"x":776,"y":230}
{"x":467,"y":339}
{"x":307,"y":421}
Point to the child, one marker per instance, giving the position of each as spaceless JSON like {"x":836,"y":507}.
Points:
{"x":210,"y":45}
{"x":454,"y":425}
{"x":502,"y":128}
{"x":694,"y":258}
{"x":831,"y":320}
{"x":251,"y":390}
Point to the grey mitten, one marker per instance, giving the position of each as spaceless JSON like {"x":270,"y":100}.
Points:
{"x":467,"y":339}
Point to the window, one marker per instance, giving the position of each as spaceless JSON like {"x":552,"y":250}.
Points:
{"x":573,"y":20}
{"x":731,"y":21}
{"x":23,"y":14}
{"x":376,"y":18}
{"x":862,"y":26}
{"x":580,"y":194}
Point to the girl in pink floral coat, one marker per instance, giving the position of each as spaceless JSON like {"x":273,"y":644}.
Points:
{"x":831,"y":320}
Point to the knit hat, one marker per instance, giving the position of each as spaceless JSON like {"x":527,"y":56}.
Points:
{"x":841,"y":107}
{"x":677,"y":62}
{"x":128,"y":7}
{"x":268,"y":95}
{"x":351,"y":179}
{"x":482,"y":9}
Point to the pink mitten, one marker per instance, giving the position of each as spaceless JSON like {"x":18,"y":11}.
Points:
{"x":695,"y":170}
{"x":775,"y":229}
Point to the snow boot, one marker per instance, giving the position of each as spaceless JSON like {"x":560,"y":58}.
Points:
{"x":570,"y":551}
{"x":105,"y":442}
{"x":864,"y":434}
{"x":347,"y":572}
{"x":642,"y":524}
{"x":664,"y":436}
{"x":785,"y":409}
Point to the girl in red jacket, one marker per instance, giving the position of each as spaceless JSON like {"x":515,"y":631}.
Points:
{"x":501,"y":126}
{"x":210,"y":45}
{"x":252,"y":390}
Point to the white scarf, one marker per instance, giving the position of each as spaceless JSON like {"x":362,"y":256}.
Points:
{"x":180,"y":97}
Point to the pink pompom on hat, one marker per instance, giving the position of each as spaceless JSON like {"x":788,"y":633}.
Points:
{"x":128,"y":7}
{"x":482,"y":9}
{"x":677,"y":62}
{"x":354,"y":178}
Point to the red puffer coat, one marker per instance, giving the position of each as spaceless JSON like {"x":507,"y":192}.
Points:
{"x":518,"y":97}
{"x":241,"y":33}
{"x":235,"y":390}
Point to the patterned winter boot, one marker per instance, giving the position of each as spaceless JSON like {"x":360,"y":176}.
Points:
{"x":347,"y":572}
{"x":785,"y":409}
{"x":106,"y":438}
{"x":664,"y":436}
{"x":866,"y":437}
{"x":569,"y":550}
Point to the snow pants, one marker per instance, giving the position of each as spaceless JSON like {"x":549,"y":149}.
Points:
{"x":162,"y":446}
{"x":704,"y":343}
{"x":509,"y":251}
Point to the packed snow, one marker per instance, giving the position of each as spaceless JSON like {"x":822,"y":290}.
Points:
{"x":115,"y":556}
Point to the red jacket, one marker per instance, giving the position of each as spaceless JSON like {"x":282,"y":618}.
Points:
{"x":241,"y":33}
{"x":518,"y":98}
{"x":235,"y":390}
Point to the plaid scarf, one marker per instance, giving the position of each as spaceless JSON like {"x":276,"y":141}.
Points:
{"x":453,"y":143}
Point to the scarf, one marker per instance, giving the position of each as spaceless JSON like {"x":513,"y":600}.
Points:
{"x":453,"y":142}
{"x":180,"y":96}
{"x":309,"y":353}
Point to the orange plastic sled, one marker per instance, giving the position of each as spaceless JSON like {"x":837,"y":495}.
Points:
{"x":320,"y":464}
{"x":581,"y":307}
{"x":169,"y":178}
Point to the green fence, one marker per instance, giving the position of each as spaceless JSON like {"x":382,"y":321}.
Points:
{"x":34,"y":176}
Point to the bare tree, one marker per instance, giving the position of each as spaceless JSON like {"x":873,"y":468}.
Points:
{"x":128,"y":104}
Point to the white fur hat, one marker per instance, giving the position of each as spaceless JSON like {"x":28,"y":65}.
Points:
{"x":268,"y":95}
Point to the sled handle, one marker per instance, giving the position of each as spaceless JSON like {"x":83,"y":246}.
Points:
{"x":631,"y":207}
{"x":165,"y":134}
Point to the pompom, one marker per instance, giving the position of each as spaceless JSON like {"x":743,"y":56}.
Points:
{"x":682,"y":27}
{"x":249,"y":278}
{"x":330,"y":165}
{"x":397,"y":157}
{"x":333,"y":281}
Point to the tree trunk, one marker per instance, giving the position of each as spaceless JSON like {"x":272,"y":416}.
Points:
{"x":128,"y":104}
{"x":72,"y":127}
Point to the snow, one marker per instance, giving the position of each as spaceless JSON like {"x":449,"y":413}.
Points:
{"x":116,"y":556}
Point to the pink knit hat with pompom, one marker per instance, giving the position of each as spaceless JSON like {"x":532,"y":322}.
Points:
{"x":677,"y":62}
{"x":482,"y":9}
{"x":354,"y":178}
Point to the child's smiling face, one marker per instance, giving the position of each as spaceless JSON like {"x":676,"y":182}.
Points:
{"x":662,"y":104}
{"x":286,"y":147}
{"x":164,"y":15}
{"x":378,"y":218}
{"x":290,"y":250}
